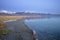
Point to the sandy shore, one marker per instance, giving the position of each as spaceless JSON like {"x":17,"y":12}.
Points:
{"x":19,"y":31}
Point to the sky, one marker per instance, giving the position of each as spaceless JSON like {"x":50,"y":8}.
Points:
{"x":43,"y":6}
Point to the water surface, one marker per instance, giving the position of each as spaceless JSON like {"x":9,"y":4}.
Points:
{"x":46,"y":28}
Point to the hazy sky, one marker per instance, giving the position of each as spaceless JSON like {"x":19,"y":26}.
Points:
{"x":47,"y":6}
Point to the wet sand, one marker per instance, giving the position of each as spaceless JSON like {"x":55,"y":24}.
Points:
{"x":19,"y":31}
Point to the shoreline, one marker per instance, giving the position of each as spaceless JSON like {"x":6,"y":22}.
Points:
{"x":19,"y":28}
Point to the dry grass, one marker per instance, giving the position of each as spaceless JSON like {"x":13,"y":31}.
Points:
{"x":5,"y":18}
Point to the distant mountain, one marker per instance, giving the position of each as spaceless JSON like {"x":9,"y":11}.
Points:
{"x":7,"y":12}
{"x":4,"y":12}
{"x":30,"y":13}
{"x":38,"y":14}
{"x":26,"y":13}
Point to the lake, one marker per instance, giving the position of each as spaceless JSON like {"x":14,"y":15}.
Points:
{"x":46,"y":28}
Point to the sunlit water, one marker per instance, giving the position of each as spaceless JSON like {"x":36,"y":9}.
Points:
{"x":46,"y":28}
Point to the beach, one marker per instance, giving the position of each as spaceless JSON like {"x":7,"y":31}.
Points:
{"x":18,"y":29}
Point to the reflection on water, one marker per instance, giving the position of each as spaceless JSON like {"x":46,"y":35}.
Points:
{"x":46,"y":28}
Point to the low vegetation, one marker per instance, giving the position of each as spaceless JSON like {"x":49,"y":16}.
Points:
{"x":5,"y":18}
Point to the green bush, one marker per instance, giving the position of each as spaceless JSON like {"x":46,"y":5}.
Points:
{"x":3,"y":32}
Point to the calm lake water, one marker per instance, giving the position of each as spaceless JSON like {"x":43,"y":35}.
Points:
{"x":46,"y":28}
